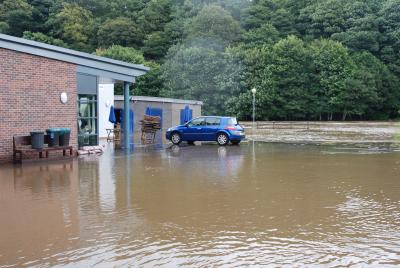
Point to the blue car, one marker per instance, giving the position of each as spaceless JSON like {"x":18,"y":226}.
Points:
{"x":207,"y":128}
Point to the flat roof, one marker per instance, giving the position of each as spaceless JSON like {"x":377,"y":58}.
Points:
{"x":87,"y":63}
{"x":158,"y":99}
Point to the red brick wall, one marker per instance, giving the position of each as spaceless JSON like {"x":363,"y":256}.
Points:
{"x":30,"y":88}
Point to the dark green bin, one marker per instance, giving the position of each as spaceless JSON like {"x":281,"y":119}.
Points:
{"x":64,"y":136}
{"x":54,"y":135}
{"x":37,"y":139}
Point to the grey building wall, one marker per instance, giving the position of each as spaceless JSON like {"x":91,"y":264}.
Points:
{"x":139,"y":109}
{"x":176,"y":112}
{"x":171,"y":114}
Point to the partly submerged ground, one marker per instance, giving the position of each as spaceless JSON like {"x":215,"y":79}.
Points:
{"x":324,"y":132}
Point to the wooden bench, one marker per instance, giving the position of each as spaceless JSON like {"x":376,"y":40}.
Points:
{"x":22,"y":144}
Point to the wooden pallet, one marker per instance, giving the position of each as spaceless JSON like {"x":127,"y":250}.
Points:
{"x":150,"y":126}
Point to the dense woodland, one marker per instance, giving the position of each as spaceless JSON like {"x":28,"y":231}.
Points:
{"x":308,"y":59}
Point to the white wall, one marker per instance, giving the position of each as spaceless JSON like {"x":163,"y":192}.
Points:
{"x":105,"y":96}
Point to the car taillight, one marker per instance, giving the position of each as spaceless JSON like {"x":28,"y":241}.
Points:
{"x":230,"y":128}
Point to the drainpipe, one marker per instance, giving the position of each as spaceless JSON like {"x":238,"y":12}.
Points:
{"x":126,"y":128}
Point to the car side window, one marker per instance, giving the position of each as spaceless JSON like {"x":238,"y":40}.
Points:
{"x":213,"y":121}
{"x":197,"y":122}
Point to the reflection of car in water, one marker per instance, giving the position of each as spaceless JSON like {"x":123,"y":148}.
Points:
{"x":217,"y":160}
{"x":206,"y":152}
{"x":207,"y":128}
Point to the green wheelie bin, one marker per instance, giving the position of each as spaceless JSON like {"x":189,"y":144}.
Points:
{"x":54,"y":134}
{"x":37,"y":139}
{"x":64,"y":136}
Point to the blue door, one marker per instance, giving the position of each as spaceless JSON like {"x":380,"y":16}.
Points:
{"x":155,"y":112}
{"x":194,"y":130}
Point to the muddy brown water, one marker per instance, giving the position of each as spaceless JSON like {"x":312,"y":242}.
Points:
{"x":252,"y":205}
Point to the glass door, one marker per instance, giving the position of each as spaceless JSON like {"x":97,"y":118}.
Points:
{"x":87,"y":120}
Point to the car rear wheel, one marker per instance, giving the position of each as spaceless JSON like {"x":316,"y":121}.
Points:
{"x":222,"y":139}
{"x":176,"y":138}
{"x":190,"y":142}
{"x":235,"y":142}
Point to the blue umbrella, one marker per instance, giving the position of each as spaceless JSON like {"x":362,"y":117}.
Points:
{"x":187,"y":114}
{"x":130,"y":119}
{"x":111,"y":117}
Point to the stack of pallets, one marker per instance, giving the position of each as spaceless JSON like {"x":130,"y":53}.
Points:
{"x":150,"y":125}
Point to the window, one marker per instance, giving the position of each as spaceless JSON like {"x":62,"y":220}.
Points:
{"x":87,"y":120}
{"x":232,"y":121}
{"x":197,"y":122}
{"x":213,"y":121}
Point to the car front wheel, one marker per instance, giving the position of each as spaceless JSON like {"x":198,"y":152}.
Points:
{"x":222,"y":139}
{"x":176,"y":138}
{"x":235,"y":142}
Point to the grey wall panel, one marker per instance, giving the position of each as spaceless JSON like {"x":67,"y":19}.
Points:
{"x":86,"y":84}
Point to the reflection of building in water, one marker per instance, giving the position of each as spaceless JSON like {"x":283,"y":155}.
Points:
{"x":106,"y":183}
{"x":97,"y":179}
{"x":35,"y":198}
{"x":89,"y":178}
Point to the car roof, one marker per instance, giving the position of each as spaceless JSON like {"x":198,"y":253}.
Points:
{"x":213,"y":116}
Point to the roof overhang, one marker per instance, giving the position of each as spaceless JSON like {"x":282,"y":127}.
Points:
{"x":86,"y":62}
{"x":158,"y":99}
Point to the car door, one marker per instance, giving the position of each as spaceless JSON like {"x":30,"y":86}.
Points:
{"x":194,"y":130}
{"x":211,"y":128}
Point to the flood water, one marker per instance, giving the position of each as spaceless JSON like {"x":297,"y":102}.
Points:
{"x":251,"y":205}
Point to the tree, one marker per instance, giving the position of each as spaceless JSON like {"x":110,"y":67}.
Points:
{"x":119,"y":31}
{"x":234,"y":7}
{"x":127,"y":54}
{"x":149,"y":84}
{"x":156,"y":20}
{"x":286,"y":80}
{"x":264,"y":35}
{"x":337,"y":86}
{"x":258,"y":13}
{"x":390,"y":25}
{"x":214,"y":24}
{"x":74,"y":25}
{"x":40,"y":37}
{"x":156,"y":45}
{"x":40,"y":14}
{"x":381,"y":86}
{"x":261,"y":12}
{"x":155,"y":15}
{"x":18,"y":21}
{"x":4,"y":27}
{"x":328,"y":17}
{"x":202,"y":74}
{"x":7,"y":6}
{"x":16,"y":16}
{"x":283,"y":77}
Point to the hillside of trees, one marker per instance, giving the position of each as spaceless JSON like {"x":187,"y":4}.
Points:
{"x":308,"y":59}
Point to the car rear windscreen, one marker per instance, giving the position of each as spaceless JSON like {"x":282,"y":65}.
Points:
{"x":232,"y":121}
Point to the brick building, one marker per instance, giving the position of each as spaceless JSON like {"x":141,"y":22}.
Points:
{"x":33,"y":76}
